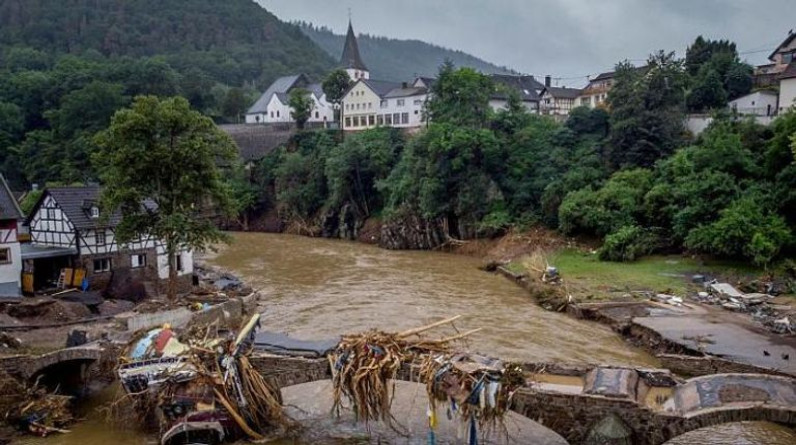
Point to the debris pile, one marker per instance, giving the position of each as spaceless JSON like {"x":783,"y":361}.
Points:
{"x":33,"y":409}
{"x":363,"y":365}
{"x":475,"y":389}
{"x":202,"y":388}
{"x":778,"y":319}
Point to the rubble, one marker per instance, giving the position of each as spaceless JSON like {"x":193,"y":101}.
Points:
{"x":33,"y":409}
{"x":201,"y":385}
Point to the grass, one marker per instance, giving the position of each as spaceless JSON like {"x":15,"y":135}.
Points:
{"x":587,"y":277}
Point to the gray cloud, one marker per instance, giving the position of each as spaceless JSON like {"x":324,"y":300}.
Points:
{"x":565,"y":38}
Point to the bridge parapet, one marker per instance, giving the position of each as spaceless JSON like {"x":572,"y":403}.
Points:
{"x":574,"y":400}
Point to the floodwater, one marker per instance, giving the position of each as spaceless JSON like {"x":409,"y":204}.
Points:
{"x":315,"y":288}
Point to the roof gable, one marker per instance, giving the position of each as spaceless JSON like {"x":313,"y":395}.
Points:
{"x":9,"y":207}
{"x":279,"y":86}
{"x":784,"y":43}
{"x":562,"y":92}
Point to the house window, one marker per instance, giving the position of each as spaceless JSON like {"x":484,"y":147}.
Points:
{"x":417,"y":112}
{"x":380,"y":119}
{"x":405,"y":118}
{"x":50,"y":213}
{"x":277,"y":113}
{"x":348,"y":122}
{"x":400,"y":102}
{"x":787,"y":58}
{"x":317,"y":115}
{"x":370,"y":105}
{"x":178,"y":262}
{"x":371,"y":120}
{"x":418,"y":102}
{"x":102,"y":265}
{"x":396,"y":118}
{"x":388,"y":119}
{"x":5,"y":255}
{"x":138,"y":261}
{"x":99,"y":238}
{"x":94,"y":212}
{"x":272,"y":114}
{"x":384,"y":103}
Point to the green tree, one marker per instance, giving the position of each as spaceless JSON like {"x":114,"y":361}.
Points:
{"x":335,"y":85}
{"x":460,"y":97}
{"x":708,"y":92}
{"x":744,"y":229}
{"x":703,"y":50}
{"x":163,"y":151}
{"x":738,"y":81}
{"x":647,"y":111}
{"x":235,"y":104}
{"x":300,"y":101}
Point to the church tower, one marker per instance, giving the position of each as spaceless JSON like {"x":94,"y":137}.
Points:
{"x":351,"y":60}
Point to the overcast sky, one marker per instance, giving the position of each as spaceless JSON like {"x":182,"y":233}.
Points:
{"x":565,"y":38}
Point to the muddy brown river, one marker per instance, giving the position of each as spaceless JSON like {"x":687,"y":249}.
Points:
{"x":315,"y":288}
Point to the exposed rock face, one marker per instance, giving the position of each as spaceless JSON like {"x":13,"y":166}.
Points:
{"x":410,"y":232}
{"x":343,"y":223}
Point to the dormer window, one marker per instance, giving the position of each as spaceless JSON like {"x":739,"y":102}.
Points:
{"x":95,"y":213}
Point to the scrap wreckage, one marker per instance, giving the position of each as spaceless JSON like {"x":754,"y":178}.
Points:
{"x":202,"y":388}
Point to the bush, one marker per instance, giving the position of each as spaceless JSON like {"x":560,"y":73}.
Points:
{"x":627,"y":244}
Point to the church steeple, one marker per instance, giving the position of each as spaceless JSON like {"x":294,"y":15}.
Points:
{"x":351,"y":59}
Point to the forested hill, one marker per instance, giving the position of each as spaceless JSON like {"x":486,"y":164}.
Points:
{"x":232,"y":41}
{"x":66,"y":66}
{"x":398,"y":60}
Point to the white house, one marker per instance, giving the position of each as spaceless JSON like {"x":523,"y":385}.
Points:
{"x":787,"y":87}
{"x":759,"y":103}
{"x":370,"y":103}
{"x":527,"y":87}
{"x":273,"y":106}
{"x":10,"y":251}
{"x":68,"y":230}
{"x":558,"y":101}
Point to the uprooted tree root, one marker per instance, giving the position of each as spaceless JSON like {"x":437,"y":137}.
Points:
{"x":363,"y":366}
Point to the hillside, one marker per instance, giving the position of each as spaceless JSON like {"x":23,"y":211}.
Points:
{"x":232,"y":41}
{"x":398,"y":60}
{"x":66,"y":66}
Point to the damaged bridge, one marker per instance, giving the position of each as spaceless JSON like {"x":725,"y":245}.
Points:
{"x":651,"y":405}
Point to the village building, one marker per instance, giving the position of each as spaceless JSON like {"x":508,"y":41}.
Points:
{"x":781,"y":58}
{"x":10,"y":251}
{"x":274,"y":106}
{"x":558,"y":101}
{"x":527,"y":87}
{"x":69,"y":233}
{"x":596,"y":92}
{"x":787,"y":87}
{"x":758,"y":103}
{"x":371,"y":103}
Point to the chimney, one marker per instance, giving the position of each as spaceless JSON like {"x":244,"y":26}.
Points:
{"x":548,"y":80}
{"x":404,"y":85}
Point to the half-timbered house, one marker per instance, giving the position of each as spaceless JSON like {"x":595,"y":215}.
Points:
{"x":67,"y":230}
{"x":10,"y":253}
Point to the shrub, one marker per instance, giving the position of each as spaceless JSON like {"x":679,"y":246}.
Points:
{"x":627,"y":244}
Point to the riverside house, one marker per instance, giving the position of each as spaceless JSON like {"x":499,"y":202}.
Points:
{"x":10,"y":251}
{"x":69,"y":232}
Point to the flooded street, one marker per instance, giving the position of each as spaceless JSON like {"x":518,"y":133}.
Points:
{"x":316,"y":288}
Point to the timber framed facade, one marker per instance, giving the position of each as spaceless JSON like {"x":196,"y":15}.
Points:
{"x":68,"y":230}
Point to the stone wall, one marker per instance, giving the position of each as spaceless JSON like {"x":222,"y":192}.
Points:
{"x":692,"y":366}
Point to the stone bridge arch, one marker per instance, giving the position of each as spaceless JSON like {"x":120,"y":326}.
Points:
{"x":698,"y":403}
{"x":36,"y":365}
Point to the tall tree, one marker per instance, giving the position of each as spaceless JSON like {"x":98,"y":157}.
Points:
{"x":460,"y":97}
{"x":647,"y":111}
{"x":335,"y":85}
{"x":708,"y":92}
{"x":301,"y":103}
{"x":162,"y":150}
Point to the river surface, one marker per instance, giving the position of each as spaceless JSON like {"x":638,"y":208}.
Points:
{"x":316,"y":288}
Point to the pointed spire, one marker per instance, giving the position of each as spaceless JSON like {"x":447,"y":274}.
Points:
{"x":351,"y":57}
